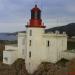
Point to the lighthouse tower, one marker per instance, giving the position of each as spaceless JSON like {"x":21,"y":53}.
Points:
{"x":35,"y":52}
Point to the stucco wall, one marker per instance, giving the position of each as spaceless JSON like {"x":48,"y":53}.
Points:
{"x":68,"y":54}
{"x":21,"y":45}
{"x":12,"y":47}
{"x":9,"y":56}
{"x":58,"y":44}
{"x":39,"y":50}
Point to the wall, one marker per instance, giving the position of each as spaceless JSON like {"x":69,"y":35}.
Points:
{"x":58,"y":44}
{"x":21,"y":45}
{"x":39,"y":50}
{"x":9,"y":56}
{"x":70,"y":54}
{"x":36,"y":49}
{"x":12,"y":47}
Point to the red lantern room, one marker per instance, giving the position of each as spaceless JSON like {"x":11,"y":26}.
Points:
{"x":35,"y":20}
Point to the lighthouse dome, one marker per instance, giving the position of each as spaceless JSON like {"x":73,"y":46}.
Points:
{"x":36,"y":20}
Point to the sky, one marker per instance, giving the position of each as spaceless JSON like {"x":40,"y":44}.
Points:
{"x":14,"y":14}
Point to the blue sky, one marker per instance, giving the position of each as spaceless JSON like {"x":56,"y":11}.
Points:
{"x":14,"y":14}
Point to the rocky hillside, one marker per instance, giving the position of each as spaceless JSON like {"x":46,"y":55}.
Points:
{"x":17,"y":68}
{"x":47,"y":68}
{"x":62,"y":67}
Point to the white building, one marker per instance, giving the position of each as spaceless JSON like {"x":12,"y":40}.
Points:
{"x":10,"y":54}
{"x":36,"y":46}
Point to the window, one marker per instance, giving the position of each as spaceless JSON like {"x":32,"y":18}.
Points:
{"x":23,"y":51}
{"x":30,"y":32}
{"x":30,"y":54}
{"x":6,"y":59}
{"x":29,"y":42}
{"x":36,"y":15}
{"x":48,"y":43}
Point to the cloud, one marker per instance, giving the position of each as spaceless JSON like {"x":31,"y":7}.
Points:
{"x":16,"y":13}
{"x":71,"y":8}
{"x":12,"y":27}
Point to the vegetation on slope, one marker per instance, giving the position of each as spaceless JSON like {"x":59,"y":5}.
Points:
{"x":17,"y":68}
{"x":47,"y":68}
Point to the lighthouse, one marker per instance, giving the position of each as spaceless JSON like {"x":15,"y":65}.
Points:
{"x":35,"y":51}
{"x":36,"y":46}
{"x":41,"y":46}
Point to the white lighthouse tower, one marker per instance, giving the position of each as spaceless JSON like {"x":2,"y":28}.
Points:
{"x":35,"y":52}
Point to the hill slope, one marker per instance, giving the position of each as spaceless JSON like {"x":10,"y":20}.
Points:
{"x":69,"y":29}
{"x":8,"y":36}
